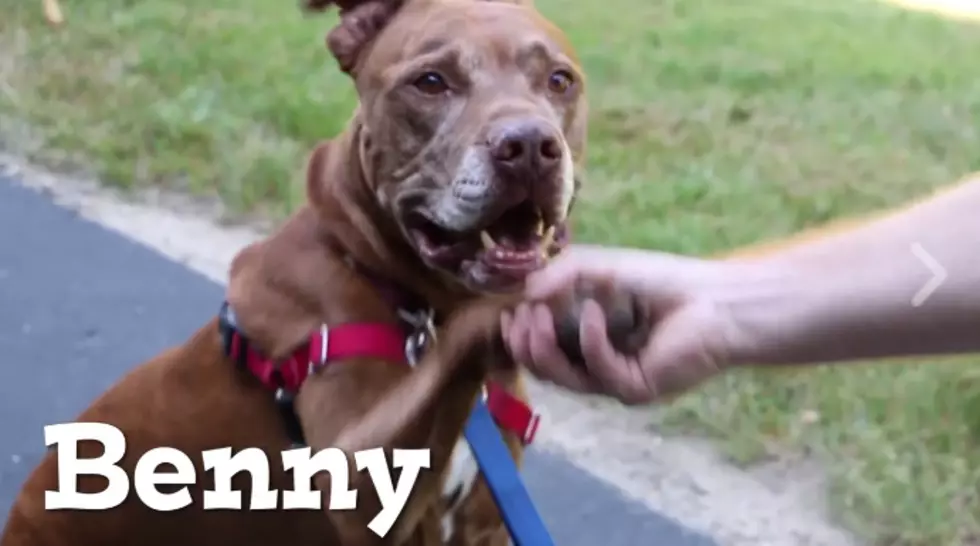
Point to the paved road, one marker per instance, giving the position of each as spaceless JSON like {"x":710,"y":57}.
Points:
{"x":80,"y":305}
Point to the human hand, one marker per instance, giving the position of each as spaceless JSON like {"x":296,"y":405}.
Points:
{"x":684,"y":300}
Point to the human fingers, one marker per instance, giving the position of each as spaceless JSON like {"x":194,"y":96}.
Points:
{"x":516,"y":333}
{"x":520,"y":329}
{"x":620,"y":375}
{"x":549,"y":360}
{"x":506,"y":326}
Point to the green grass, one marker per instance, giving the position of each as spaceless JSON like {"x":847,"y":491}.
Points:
{"x":714,"y":124}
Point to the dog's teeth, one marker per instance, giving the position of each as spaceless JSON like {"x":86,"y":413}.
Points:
{"x":548,"y":237}
{"x":487,"y":240}
{"x":539,"y":229}
{"x":546,"y":240}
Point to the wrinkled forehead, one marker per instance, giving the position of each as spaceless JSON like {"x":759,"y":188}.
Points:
{"x":471,"y":33}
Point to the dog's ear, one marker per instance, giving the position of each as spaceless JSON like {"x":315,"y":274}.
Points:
{"x":316,"y":169}
{"x":359,"y":26}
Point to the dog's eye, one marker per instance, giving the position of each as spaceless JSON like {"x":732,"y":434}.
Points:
{"x":560,"y":81}
{"x":431,"y":83}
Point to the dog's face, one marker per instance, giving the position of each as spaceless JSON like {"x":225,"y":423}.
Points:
{"x":473,"y":117}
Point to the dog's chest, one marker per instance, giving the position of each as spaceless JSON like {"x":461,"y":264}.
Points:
{"x":462,"y":474}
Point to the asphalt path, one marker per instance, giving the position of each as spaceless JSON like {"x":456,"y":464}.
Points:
{"x":80,"y":305}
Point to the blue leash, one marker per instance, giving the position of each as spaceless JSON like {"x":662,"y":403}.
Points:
{"x":504,"y":480}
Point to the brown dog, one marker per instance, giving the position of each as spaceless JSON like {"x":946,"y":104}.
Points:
{"x":452,"y":182}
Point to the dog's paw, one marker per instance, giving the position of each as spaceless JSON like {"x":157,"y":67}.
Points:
{"x":627,"y":323}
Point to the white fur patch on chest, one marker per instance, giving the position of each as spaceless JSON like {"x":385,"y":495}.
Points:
{"x":463,"y":472}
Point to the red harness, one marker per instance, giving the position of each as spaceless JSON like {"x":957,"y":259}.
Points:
{"x":331,"y":344}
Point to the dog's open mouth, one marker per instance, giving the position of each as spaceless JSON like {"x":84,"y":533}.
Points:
{"x":515,"y":243}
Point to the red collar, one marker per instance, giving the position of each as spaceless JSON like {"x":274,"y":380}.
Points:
{"x":331,"y":344}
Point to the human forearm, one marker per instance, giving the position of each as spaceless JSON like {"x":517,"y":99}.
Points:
{"x":852,"y":293}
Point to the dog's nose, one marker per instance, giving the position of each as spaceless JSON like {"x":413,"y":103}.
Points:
{"x":526,"y":148}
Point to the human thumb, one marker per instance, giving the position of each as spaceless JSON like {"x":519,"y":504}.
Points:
{"x":684,"y":350}
{"x":580,"y":262}
{"x":653,"y":275}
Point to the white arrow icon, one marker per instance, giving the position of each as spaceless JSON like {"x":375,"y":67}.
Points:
{"x":938,"y":275}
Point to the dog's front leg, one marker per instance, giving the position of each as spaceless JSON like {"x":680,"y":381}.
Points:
{"x":422,"y":408}
{"x":372,"y":422}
